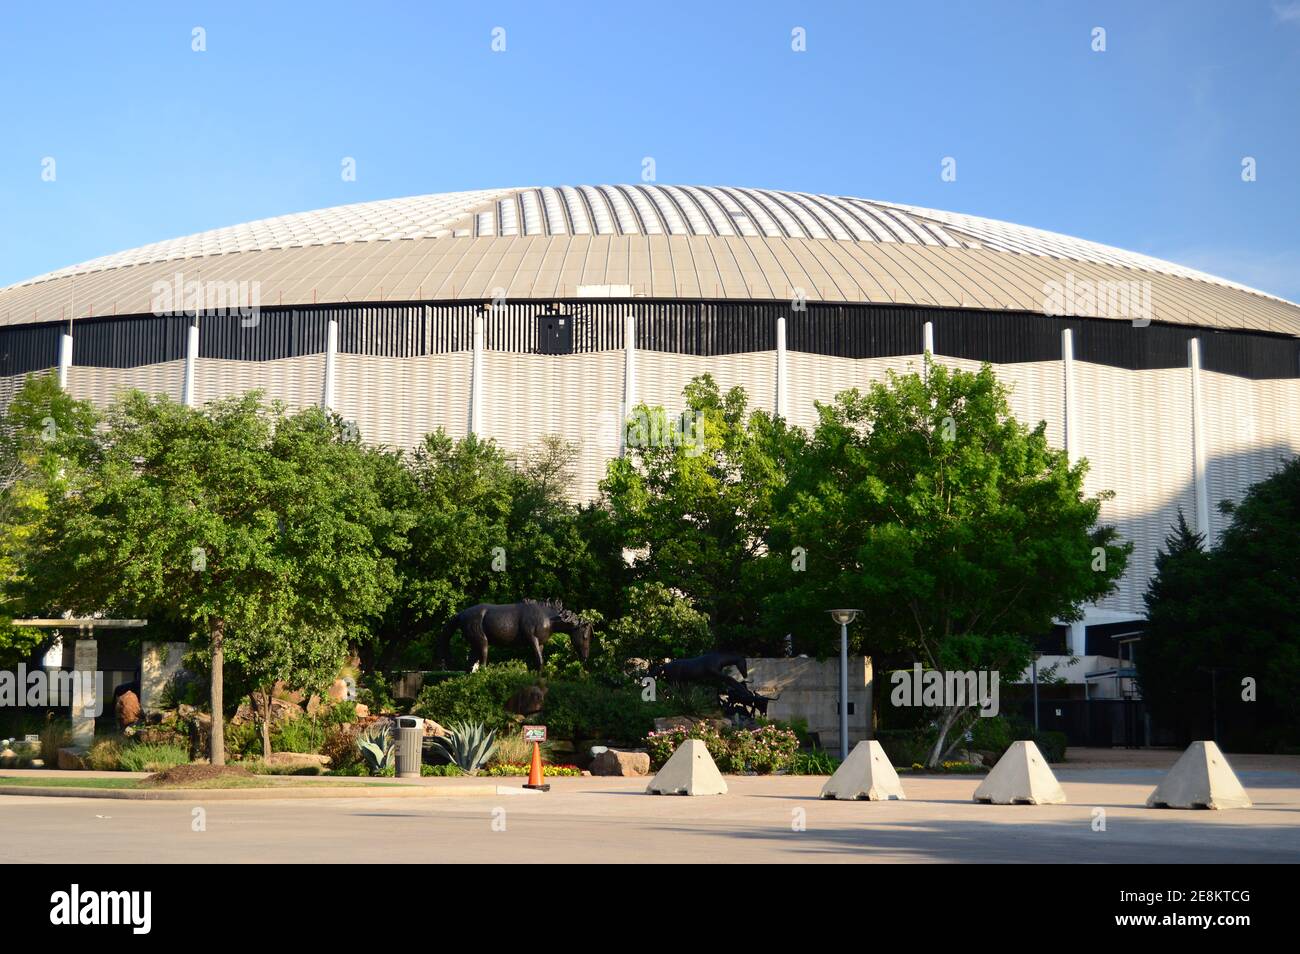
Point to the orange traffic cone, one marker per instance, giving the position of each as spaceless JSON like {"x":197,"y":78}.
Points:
{"x":535,"y":771}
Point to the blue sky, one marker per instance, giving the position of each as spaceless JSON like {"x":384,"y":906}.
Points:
{"x":1139,"y":146}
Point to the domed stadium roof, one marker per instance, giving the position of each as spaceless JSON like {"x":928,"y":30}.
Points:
{"x":653,"y":241}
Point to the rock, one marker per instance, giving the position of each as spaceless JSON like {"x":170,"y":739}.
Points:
{"x":338,"y":692}
{"x":669,"y":723}
{"x":128,"y":709}
{"x":561,"y":748}
{"x":298,"y":760}
{"x":616,"y":762}
{"x":71,"y":759}
{"x":363,"y":710}
{"x":291,"y":696}
{"x":430,"y":727}
{"x":8,"y":758}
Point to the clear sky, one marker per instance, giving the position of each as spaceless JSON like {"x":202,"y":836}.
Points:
{"x":1139,"y":146}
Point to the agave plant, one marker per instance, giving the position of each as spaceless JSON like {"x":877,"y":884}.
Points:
{"x":468,"y":744}
{"x":378,"y":747}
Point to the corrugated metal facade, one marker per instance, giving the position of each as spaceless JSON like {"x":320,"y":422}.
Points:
{"x":1135,"y":429}
{"x":694,"y":328}
{"x":396,"y":401}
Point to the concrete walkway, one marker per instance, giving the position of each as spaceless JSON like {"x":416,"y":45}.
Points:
{"x":611,"y":820}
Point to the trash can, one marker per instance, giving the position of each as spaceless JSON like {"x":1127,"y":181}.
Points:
{"x":410,"y":744}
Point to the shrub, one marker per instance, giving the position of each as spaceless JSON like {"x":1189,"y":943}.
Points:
{"x":340,"y":746}
{"x":441,"y":771}
{"x":56,"y":734}
{"x":590,"y":709}
{"x":905,"y":746}
{"x":105,"y":755}
{"x":146,"y":757}
{"x":511,"y":748}
{"x":468,"y":746}
{"x":515,"y":769}
{"x":766,"y":749}
{"x":341,"y":713}
{"x":813,"y":762}
{"x":303,"y":734}
{"x":479,"y":696}
{"x":378,"y":747}
{"x":993,"y":734}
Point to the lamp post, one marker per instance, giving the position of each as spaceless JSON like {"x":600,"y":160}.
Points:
{"x":844,"y":617}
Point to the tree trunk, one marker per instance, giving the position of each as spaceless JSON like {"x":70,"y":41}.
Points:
{"x":217,"y":738}
{"x":266,"y":724}
{"x":945,"y":727}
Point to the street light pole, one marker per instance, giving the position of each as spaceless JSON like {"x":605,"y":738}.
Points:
{"x":1035,"y":665}
{"x":844,"y":617}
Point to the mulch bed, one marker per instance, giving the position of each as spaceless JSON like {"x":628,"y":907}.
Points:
{"x":188,"y":774}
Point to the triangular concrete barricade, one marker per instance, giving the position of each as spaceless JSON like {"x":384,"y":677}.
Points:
{"x":1201,"y":778}
{"x":1021,"y":777}
{"x":866,"y":773}
{"x":690,"y":771}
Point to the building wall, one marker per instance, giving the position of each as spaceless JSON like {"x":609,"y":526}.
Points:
{"x":401,"y":373}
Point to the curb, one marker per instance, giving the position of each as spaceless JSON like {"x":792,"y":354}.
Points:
{"x":260,"y":794}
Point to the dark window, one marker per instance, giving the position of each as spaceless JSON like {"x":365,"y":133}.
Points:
{"x":555,"y":334}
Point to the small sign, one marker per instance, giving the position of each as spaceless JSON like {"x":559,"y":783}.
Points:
{"x":534,"y":733}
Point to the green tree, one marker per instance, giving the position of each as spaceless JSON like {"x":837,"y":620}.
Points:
{"x":42,"y":433}
{"x":1228,"y":615}
{"x":693,"y":500}
{"x":958,"y":530}
{"x":658,"y":623}
{"x":487,"y":527}
{"x":236,"y":518}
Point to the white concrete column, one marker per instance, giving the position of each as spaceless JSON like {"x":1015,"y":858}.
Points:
{"x":1071,"y":429}
{"x":782,"y":371}
{"x":476,"y":424}
{"x":1078,"y":640}
{"x":85,"y":665}
{"x":629,"y":379}
{"x":188,"y":396}
{"x":1198,"y":443}
{"x":331,"y":360}
{"x":65,"y":359}
{"x":927,"y":337}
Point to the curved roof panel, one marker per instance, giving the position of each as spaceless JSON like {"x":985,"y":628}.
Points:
{"x":662,"y":241}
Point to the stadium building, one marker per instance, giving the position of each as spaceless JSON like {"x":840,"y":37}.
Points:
{"x":517,"y":313}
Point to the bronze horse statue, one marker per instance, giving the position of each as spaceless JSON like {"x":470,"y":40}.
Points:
{"x":530,"y":622}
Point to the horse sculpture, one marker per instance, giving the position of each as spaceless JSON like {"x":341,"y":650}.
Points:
{"x":530,"y":622}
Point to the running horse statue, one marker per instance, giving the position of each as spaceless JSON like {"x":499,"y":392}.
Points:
{"x":530,"y":623}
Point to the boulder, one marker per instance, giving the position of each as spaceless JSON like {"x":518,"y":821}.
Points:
{"x":297,"y":760}
{"x":71,"y":759}
{"x":8,"y":758}
{"x":363,"y":710}
{"x":127,"y":708}
{"x":615,"y":762}
{"x":430,"y":727}
{"x":338,"y":692}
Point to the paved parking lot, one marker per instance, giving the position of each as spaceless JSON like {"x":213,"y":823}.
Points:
{"x":611,"y":820}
